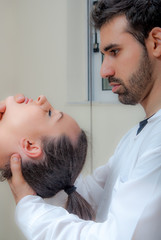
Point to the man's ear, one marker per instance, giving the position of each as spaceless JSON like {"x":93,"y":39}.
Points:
{"x":156,"y":39}
{"x":30,"y":148}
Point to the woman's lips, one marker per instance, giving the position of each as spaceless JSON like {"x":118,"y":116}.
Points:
{"x":26,"y":100}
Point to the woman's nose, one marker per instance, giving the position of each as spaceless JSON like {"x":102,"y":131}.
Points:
{"x":43,"y":103}
{"x":41,"y":100}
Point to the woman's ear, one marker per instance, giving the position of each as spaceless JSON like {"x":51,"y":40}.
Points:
{"x":30,"y":148}
{"x":156,"y":39}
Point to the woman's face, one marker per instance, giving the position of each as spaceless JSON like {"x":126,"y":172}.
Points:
{"x":32,"y":120}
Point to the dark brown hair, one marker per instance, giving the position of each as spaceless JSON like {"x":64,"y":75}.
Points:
{"x":142,"y":15}
{"x":59,"y":169}
{"x":61,"y":164}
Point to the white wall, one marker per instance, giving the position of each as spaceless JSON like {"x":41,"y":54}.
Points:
{"x":43,"y":51}
{"x":8,"y":47}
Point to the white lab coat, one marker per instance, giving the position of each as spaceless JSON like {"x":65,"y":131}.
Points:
{"x":126,"y":194}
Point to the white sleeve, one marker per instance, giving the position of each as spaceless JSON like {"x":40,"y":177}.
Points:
{"x":135,"y":209}
{"x":87,"y":187}
{"x":41,"y":221}
{"x":95,"y":183}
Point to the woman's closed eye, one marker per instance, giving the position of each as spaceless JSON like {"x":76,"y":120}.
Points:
{"x":49,"y":112}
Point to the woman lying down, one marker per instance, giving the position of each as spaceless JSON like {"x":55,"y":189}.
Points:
{"x":51,"y":145}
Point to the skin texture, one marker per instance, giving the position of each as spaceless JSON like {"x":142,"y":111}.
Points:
{"x":125,"y":62}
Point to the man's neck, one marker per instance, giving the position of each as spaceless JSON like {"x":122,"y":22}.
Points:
{"x":152,"y":105}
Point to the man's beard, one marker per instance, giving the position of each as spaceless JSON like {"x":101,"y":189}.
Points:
{"x":134,"y":92}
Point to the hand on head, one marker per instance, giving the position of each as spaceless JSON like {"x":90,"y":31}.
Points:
{"x":35,"y":120}
{"x":18,"y":185}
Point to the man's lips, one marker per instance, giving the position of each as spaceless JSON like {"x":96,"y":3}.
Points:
{"x":114,"y":86}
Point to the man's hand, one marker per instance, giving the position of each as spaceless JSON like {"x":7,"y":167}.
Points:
{"x":18,"y":185}
{"x":2,"y":109}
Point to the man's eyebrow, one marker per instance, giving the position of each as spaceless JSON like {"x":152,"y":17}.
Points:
{"x":110,"y":46}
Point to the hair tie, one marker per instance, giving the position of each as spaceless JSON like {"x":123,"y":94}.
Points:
{"x":70,"y":189}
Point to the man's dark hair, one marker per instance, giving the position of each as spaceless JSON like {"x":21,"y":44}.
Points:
{"x":58,"y":170}
{"x":142,"y":15}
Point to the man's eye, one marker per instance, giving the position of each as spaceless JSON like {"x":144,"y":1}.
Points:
{"x":49,"y":112}
{"x":114,"y":52}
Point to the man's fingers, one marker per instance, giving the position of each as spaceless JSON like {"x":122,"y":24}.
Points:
{"x":20,"y":98}
{"x":19,"y":187}
{"x":2,"y":107}
{"x":15,"y":163}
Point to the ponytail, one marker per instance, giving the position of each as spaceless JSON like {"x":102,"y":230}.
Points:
{"x":76,"y":204}
{"x":58,"y":170}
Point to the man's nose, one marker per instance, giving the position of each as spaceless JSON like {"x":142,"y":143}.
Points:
{"x":107,"y":70}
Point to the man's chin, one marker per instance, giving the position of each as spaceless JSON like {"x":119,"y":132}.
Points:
{"x":125,"y":99}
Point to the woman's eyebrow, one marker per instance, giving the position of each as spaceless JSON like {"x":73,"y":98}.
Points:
{"x":61,"y":114}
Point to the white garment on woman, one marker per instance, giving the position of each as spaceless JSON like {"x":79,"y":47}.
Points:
{"x":126,"y":193}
